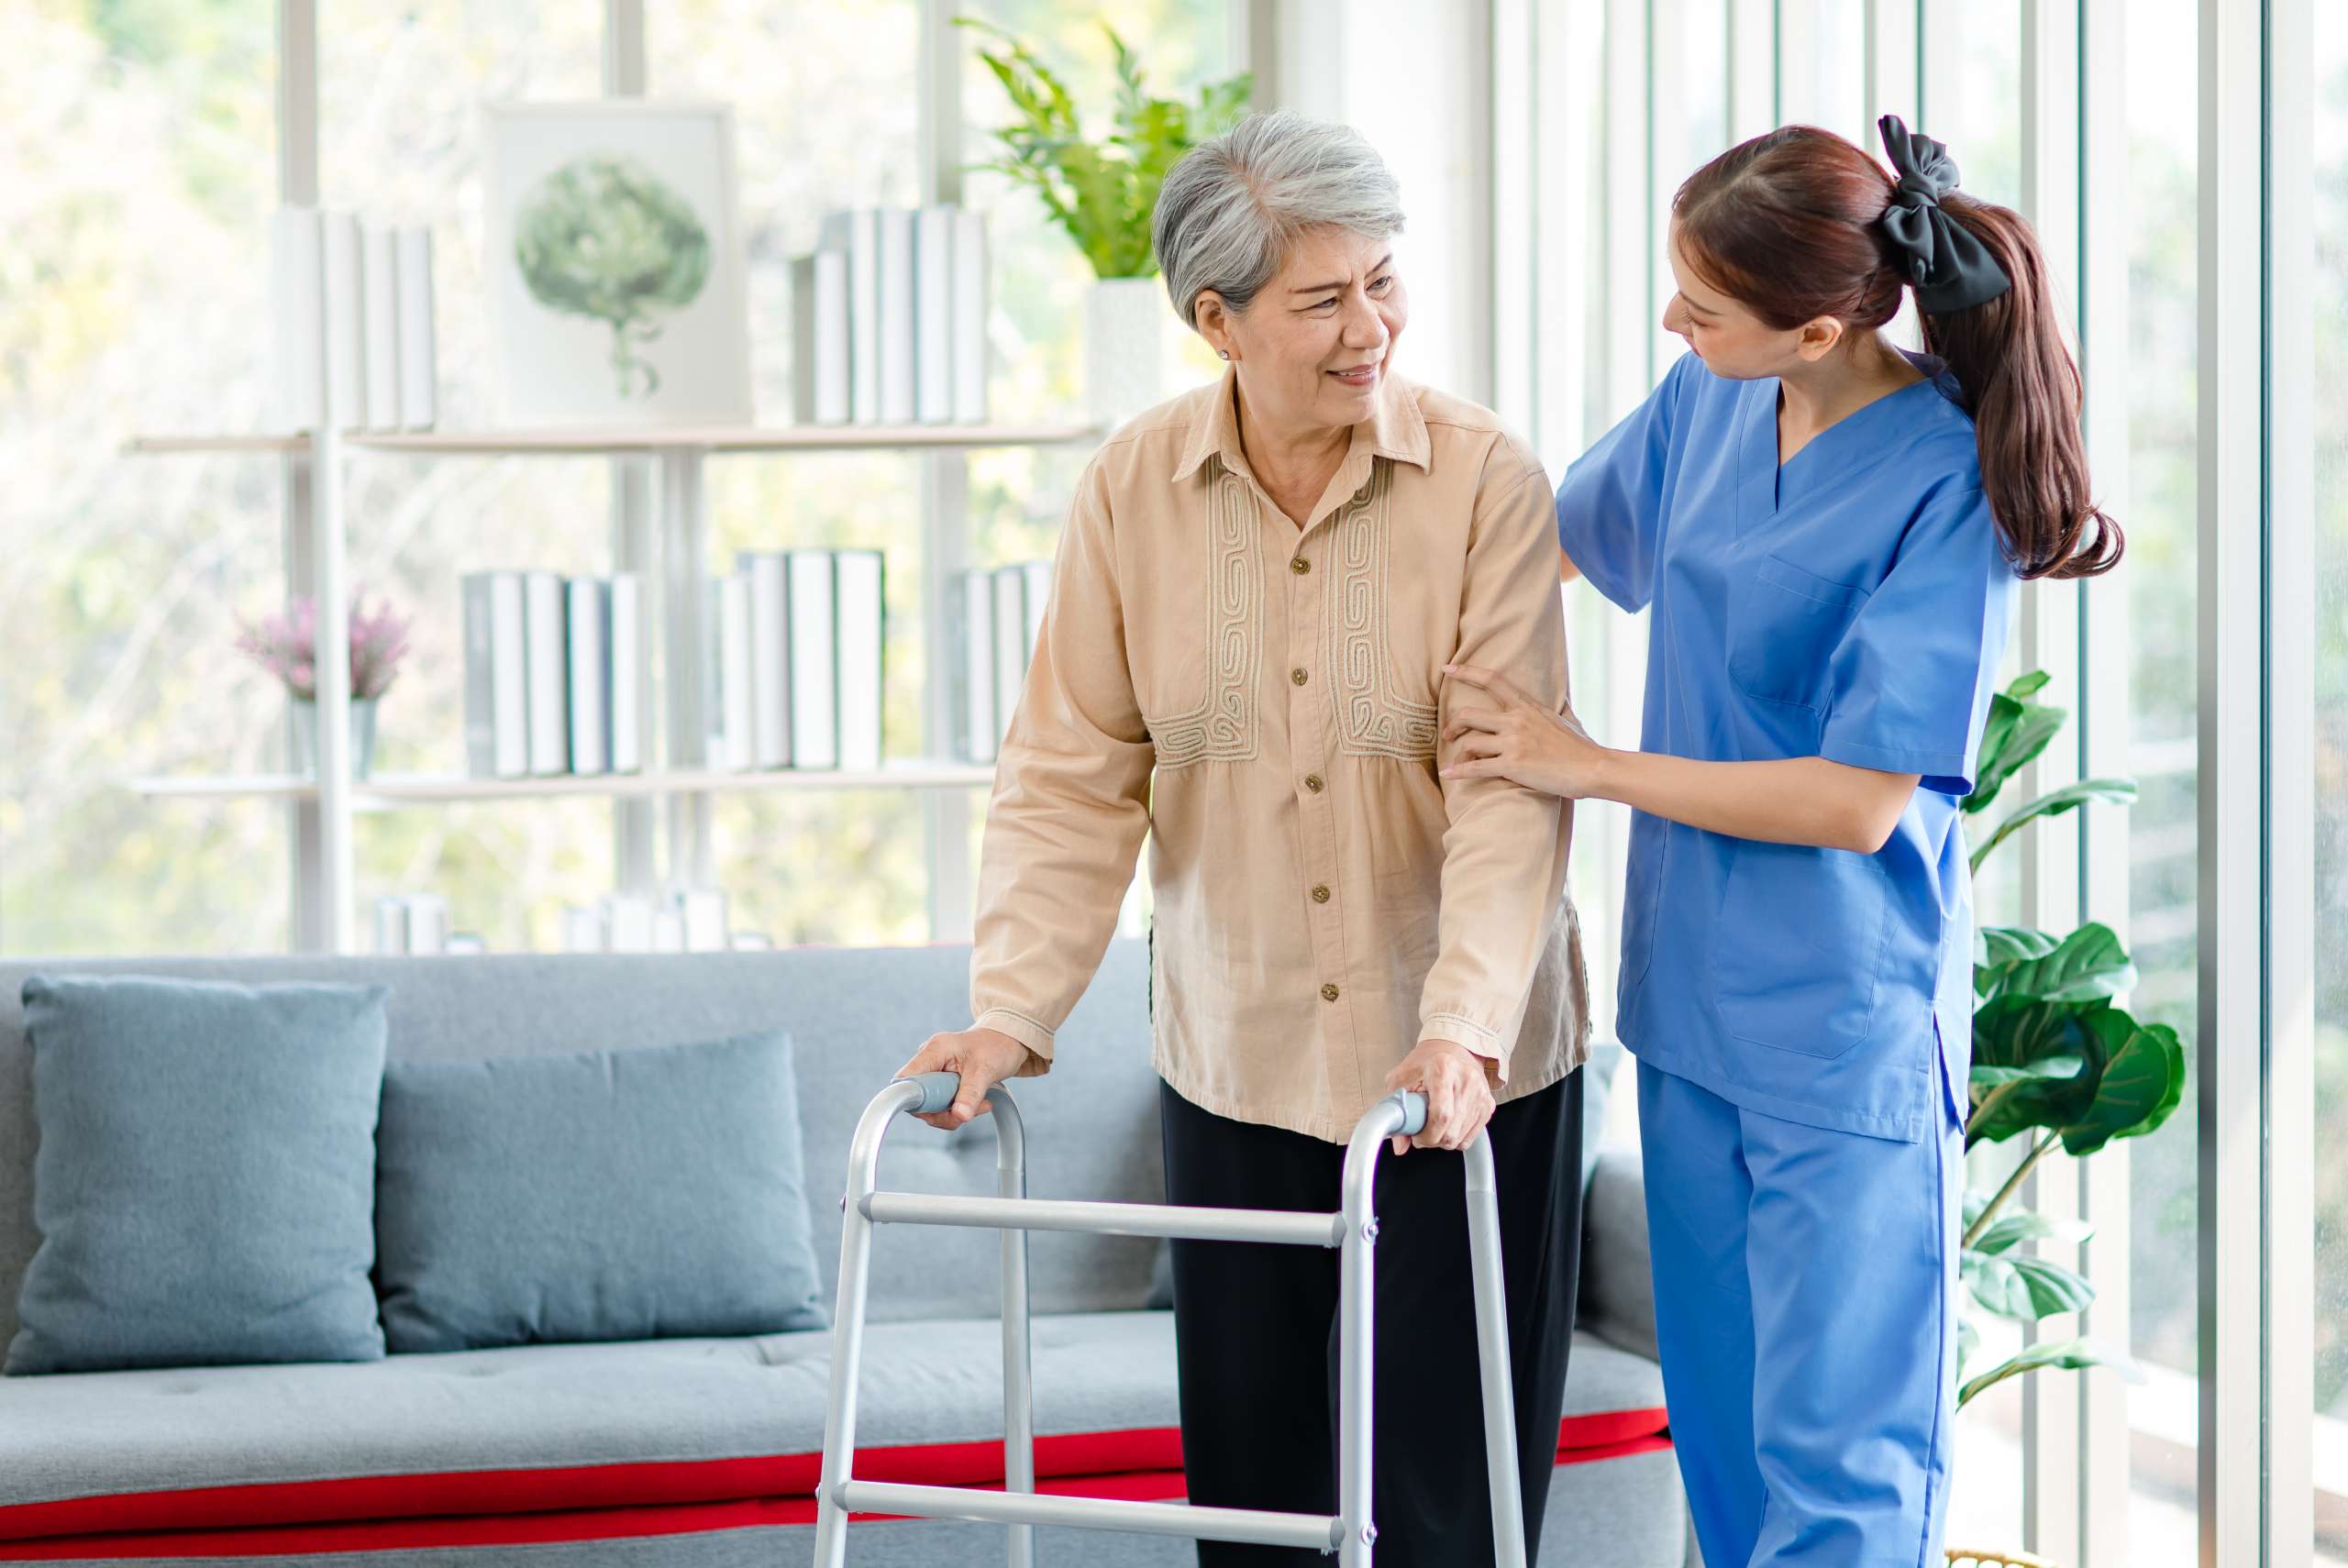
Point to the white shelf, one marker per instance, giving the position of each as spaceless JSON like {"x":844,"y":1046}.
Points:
{"x":614,"y":440}
{"x":392,"y":790}
{"x":151,"y":446}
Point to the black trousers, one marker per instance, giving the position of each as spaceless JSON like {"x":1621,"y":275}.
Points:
{"x":1256,"y":1329}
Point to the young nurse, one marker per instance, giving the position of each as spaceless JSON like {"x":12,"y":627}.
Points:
{"x":1829,"y":534}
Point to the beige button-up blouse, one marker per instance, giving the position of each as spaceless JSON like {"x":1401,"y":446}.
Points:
{"x":1264,"y":703}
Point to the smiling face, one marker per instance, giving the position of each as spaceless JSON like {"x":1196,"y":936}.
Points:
{"x":1314,"y":345}
{"x":1731,"y":340}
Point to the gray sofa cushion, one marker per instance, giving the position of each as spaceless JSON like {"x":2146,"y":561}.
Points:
{"x":1617,"y":1279}
{"x":670,"y":1402}
{"x":625,"y":1195}
{"x":854,"y":1014}
{"x":205,"y":1184}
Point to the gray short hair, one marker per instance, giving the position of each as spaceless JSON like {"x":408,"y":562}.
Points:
{"x":1230,"y":209}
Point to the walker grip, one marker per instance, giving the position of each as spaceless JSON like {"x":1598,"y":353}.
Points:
{"x":1415,"y":1112}
{"x":937,"y":1092}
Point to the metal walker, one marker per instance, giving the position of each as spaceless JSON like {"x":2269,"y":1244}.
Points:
{"x":1349,"y":1533}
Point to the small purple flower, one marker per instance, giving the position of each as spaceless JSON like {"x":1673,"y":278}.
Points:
{"x":285,"y":643}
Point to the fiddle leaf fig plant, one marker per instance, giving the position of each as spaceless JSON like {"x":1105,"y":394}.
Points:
{"x":1100,"y":193}
{"x":2055,"y":1059}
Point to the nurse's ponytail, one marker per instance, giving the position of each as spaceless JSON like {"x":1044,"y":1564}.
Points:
{"x":1799,"y":223}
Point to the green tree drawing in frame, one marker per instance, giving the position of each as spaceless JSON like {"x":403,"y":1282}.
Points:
{"x":603,"y":238}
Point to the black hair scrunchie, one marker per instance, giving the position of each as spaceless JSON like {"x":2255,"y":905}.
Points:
{"x":1951,"y":269}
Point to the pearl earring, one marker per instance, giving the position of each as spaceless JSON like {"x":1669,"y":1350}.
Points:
{"x":1225,"y":353}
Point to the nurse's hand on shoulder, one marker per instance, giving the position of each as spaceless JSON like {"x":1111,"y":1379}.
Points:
{"x":1458,"y":1086}
{"x":1497,"y":732}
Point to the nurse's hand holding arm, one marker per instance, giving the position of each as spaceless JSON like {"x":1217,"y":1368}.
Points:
{"x":1806,"y":799}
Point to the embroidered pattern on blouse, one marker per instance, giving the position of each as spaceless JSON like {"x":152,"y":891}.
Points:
{"x":1223,"y":728}
{"x":1373,"y":718}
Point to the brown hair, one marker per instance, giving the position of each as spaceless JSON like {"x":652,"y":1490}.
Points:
{"x":1789,"y":224}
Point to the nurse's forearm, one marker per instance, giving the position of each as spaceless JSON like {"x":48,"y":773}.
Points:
{"x":1803,"y":800}
{"x":1566,"y":570}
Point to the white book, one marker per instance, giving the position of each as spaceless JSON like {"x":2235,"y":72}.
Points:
{"x":856,"y":235}
{"x":738,"y":677}
{"x":768,"y":576}
{"x":590,"y":607}
{"x":627,"y":923}
{"x":969,"y":316}
{"x":934,"y":314}
{"x":1040,"y":593}
{"x":1009,"y":643}
{"x":497,"y":733}
{"x":548,"y":663}
{"x":297,"y":319}
{"x":382,"y":283}
{"x":345,"y":280}
{"x":428,"y":922}
{"x":896,"y":311}
{"x":420,"y":352}
{"x":862,"y":613}
{"x":717,"y":751}
{"x":974,"y":683}
{"x":814,"y":665}
{"x":626,"y":673}
{"x":667,"y":931}
{"x":819,"y":353}
{"x":391,"y":925}
{"x":704,"y":910}
{"x":583,"y":930}
{"x":466,"y":942}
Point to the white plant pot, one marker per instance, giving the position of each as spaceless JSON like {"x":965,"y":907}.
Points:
{"x":1125,"y":342}
{"x":362,"y":736}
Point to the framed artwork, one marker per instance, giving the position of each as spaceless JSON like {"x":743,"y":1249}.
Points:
{"x":615,"y":265}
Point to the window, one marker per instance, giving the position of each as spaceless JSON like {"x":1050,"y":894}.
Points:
{"x":143,"y":153}
{"x":2329,"y":214}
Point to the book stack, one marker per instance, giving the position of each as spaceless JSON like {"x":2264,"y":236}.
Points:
{"x":552,"y":674}
{"x":411,"y":924}
{"x":351,"y":333}
{"x":683,"y":920}
{"x":994,"y":619}
{"x":889,"y":319}
{"x":795,"y":661}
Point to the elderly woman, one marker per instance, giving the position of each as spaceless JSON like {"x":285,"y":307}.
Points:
{"x":1259,"y":588}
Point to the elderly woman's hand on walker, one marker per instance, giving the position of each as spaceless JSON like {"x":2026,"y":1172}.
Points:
{"x":1459,"y":1087}
{"x":983,"y":1058}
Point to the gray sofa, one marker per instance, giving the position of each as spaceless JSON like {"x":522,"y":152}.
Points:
{"x":702,"y":1451}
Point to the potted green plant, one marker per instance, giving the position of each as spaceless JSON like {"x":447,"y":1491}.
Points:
{"x":1102,"y":194}
{"x":2055,"y":1059}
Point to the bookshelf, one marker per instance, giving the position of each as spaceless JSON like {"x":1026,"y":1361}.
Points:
{"x":672,"y":561}
{"x":618,"y":443}
{"x":663,"y":818}
{"x":384,"y":792}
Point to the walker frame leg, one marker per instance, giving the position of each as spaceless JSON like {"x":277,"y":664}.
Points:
{"x":1352,"y":1533}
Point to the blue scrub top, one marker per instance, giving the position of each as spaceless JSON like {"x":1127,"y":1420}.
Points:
{"x":1853,"y":604}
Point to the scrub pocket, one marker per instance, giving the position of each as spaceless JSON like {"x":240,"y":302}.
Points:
{"x":1784,"y":626}
{"x":1799,"y":946}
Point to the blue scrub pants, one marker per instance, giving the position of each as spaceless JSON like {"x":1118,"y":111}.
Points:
{"x":1805,"y":1292}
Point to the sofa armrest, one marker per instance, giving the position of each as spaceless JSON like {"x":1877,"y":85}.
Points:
{"x":1617,"y":1280}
